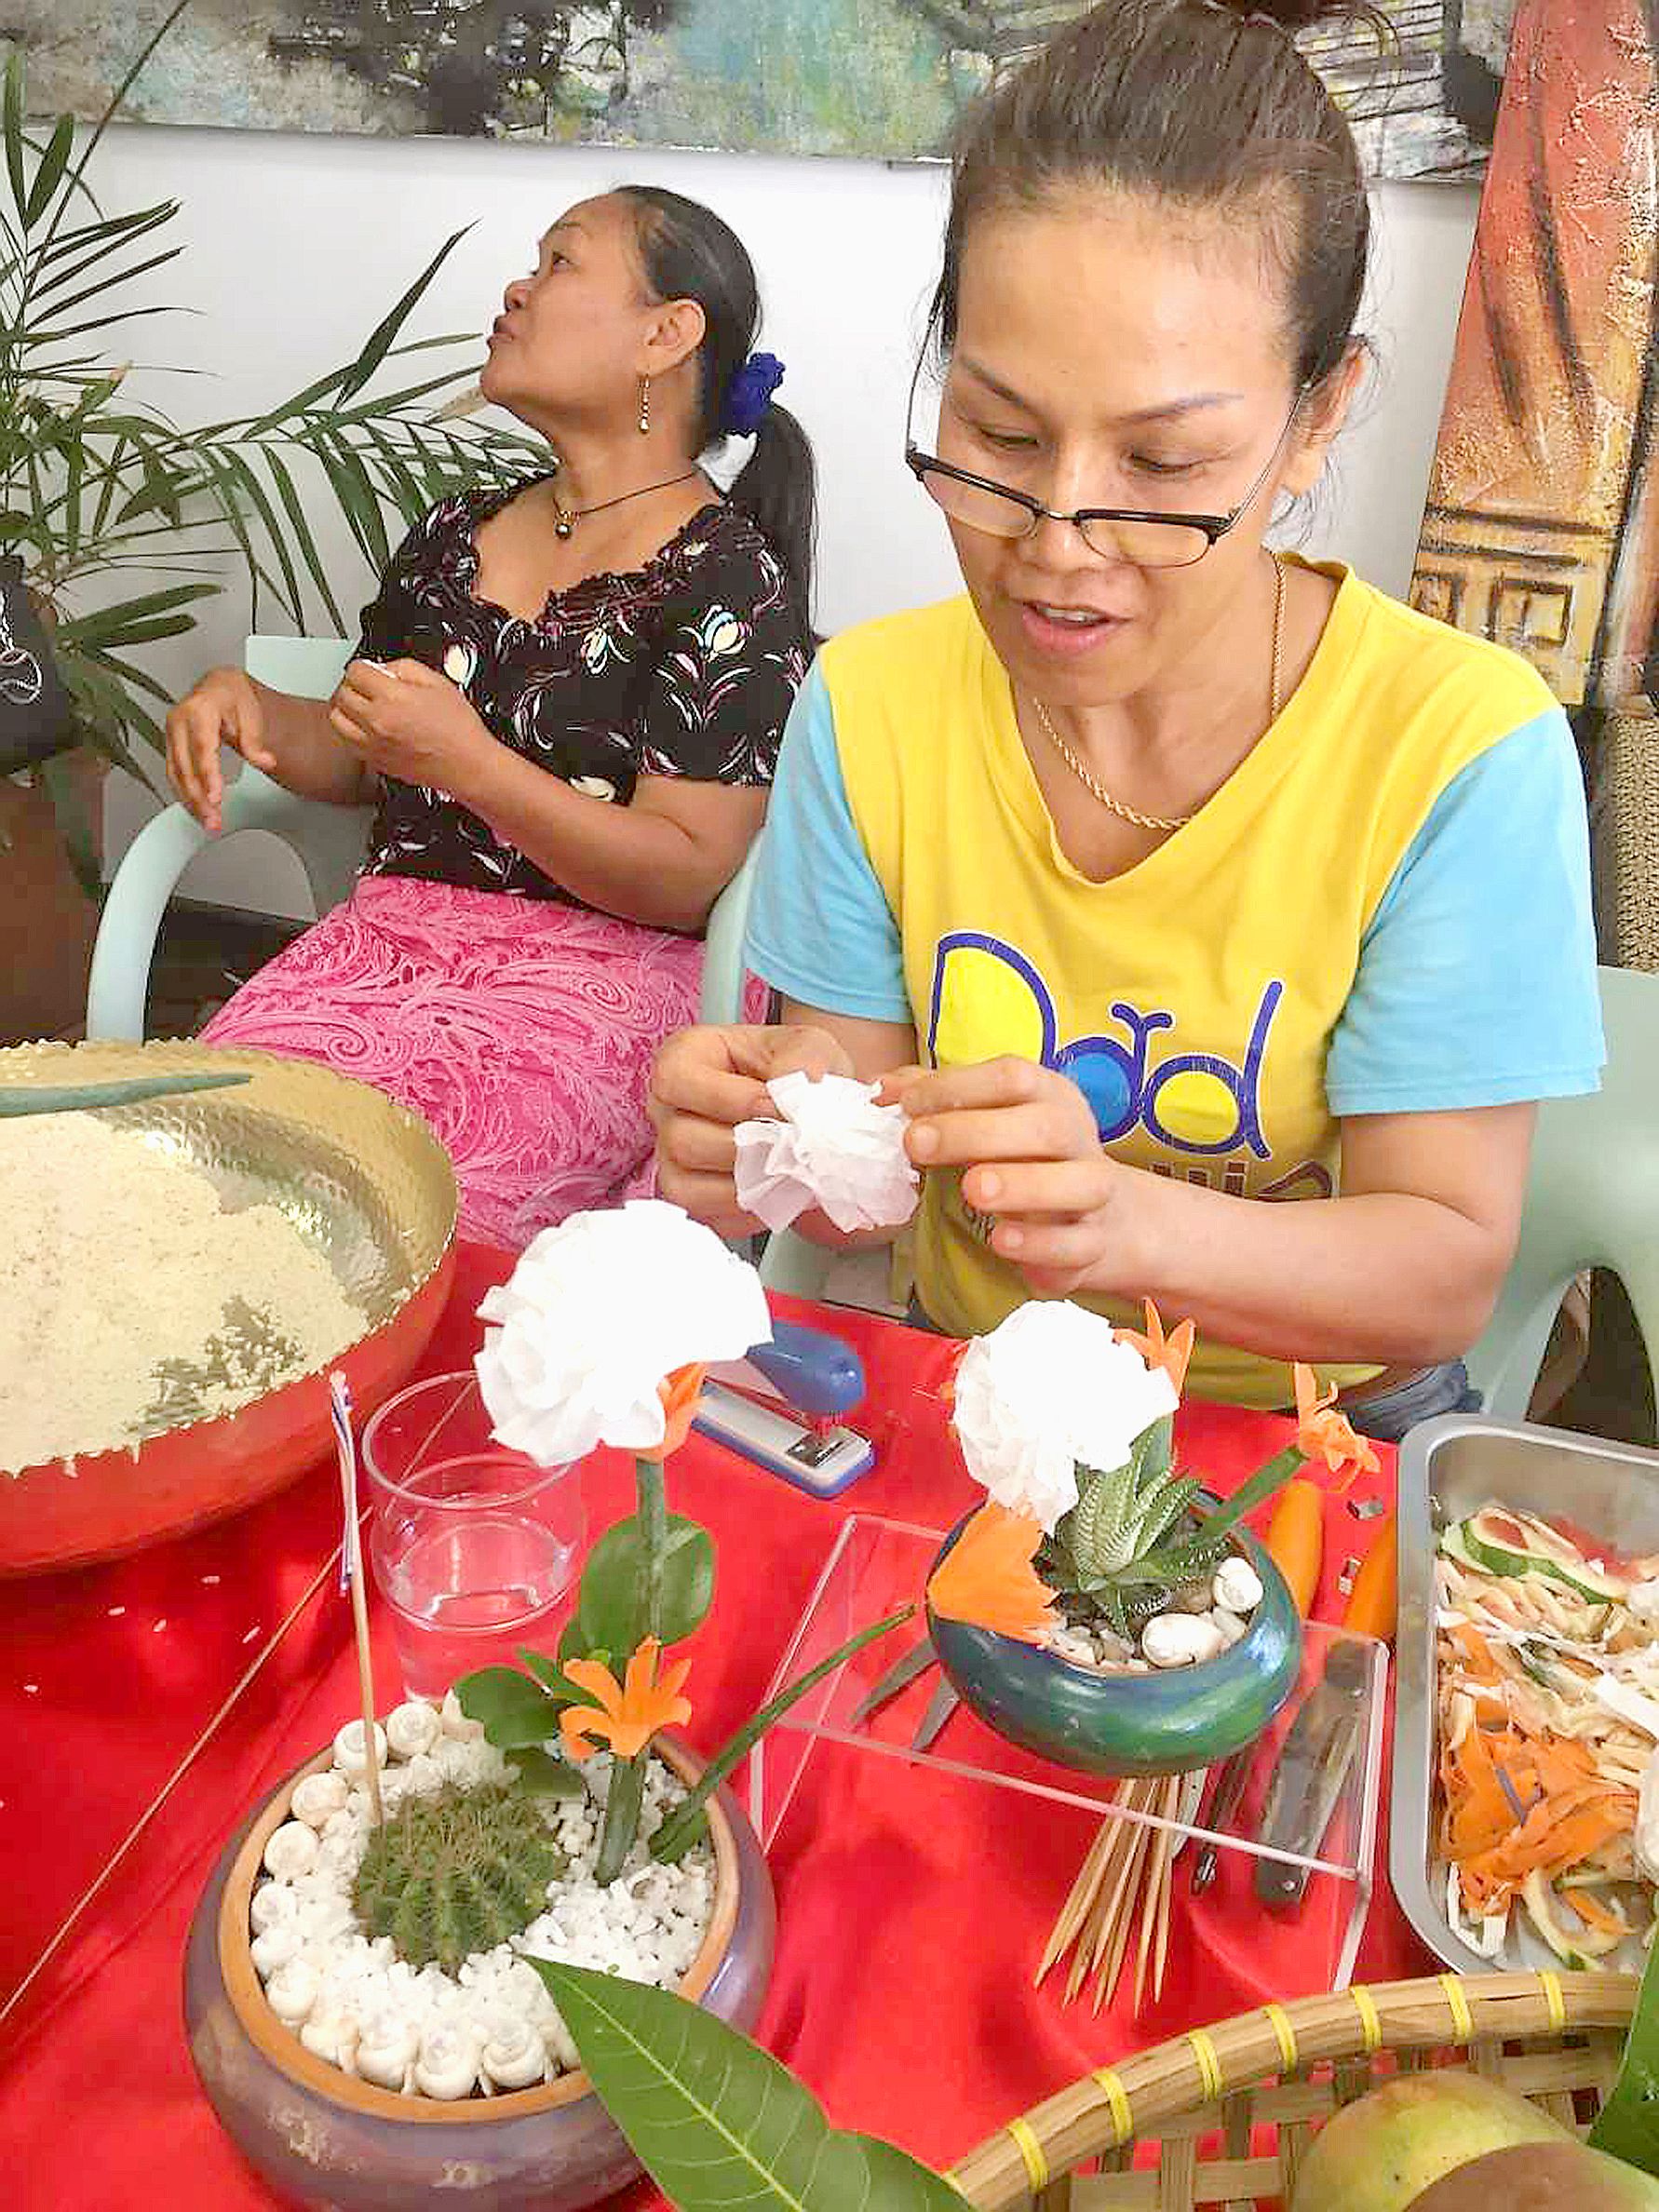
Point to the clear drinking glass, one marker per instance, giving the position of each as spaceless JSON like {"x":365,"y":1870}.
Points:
{"x":474,"y":1547}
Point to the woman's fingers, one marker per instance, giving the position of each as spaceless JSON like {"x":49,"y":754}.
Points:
{"x":968,"y":1138}
{"x":711,"y":1075}
{"x":1055,"y":1190}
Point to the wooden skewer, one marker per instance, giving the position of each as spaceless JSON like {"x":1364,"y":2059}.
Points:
{"x":1127,"y":1873}
{"x":1075,"y":1908}
{"x":1162,"y":1943}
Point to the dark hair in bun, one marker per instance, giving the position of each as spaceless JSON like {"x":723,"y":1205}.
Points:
{"x":1203,"y":102}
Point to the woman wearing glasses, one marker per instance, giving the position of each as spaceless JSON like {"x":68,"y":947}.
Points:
{"x":1217,"y":920}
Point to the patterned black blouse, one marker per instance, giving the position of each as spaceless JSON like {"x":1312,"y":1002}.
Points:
{"x":686,"y":667}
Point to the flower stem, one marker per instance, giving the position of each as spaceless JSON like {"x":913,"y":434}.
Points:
{"x":623,"y":1801}
{"x":680,"y":1829}
{"x":654,"y":1538}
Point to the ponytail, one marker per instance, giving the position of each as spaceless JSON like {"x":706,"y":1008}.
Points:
{"x":778,"y":487}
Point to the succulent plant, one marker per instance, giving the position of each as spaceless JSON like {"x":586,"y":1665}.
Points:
{"x":1121,"y":1553}
{"x":456,"y":1872}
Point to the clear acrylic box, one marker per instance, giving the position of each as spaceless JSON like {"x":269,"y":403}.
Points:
{"x":815,"y":1759}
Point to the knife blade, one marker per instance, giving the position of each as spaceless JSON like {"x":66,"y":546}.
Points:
{"x":940,"y":1707}
{"x":899,"y":1676}
{"x":1230,"y":1778}
{"x":1308,"y":1779}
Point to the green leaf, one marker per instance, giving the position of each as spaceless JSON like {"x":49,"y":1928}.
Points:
{"x":545,"y":1775}
{"x":611,"y":1612}
{"x":294,"y":508}
{"x":1627,"y":2125}
{"x":1260,"y":1487}
{"x":716,"y":2121}
{"x":11,"y":123}
{"x":379,"y":343}
{"x":515,"y":1711}
{"x":49,"y":174}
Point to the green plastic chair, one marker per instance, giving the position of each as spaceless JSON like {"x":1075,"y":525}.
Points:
{"x":329,"y":842}
{"x":1592,"y":1201}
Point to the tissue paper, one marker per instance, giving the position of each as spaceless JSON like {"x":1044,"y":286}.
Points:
{"x":834,"y":1148}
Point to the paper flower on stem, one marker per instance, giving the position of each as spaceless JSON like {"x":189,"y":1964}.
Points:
{"x":628,"y":1713}
{"x":597,"y":1312}
{"x":1324,"y":1434}
{"x":987,"y":1577}
{"x":1172,"y":1353}
{"x":1051,"y":1388}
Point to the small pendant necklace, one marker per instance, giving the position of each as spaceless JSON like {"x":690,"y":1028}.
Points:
{"x":568,"y":518}
{"x":1130,"y":814}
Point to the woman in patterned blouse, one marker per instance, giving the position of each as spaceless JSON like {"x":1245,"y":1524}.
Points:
{"x":566,"y":705}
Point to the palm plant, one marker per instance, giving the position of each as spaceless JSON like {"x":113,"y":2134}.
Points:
{"x":127,"y":521}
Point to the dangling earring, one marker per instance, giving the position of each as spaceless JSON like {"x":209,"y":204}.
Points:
{"x":644,"y":407}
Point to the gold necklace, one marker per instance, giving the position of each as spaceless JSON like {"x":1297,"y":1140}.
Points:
{"x":568,"y":517}
{"x":1130,"y":814}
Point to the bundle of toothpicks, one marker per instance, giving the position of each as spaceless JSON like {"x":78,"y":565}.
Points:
{"x":1128,"y":1872}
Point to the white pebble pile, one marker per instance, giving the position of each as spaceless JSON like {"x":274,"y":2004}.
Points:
{"x":1199,"y":1625}
{"x":490,"y":2026}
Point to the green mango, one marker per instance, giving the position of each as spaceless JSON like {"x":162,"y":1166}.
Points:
{"x":1382,"y":2152}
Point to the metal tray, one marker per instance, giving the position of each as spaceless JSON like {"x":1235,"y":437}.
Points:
{"x":1450,"y":1468}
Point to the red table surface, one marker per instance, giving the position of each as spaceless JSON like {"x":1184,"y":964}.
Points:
{"x":886,"y":1998}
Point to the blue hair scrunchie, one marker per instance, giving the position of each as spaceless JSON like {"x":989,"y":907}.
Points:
{"x":749,"y":395}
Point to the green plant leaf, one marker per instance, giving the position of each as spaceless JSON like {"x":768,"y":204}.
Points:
{"x":1627,"y":2125}
{"x":515,"y":1711}
{"x":610,"y":1614}
{"x":559,"y":1688}
{"x":11,"y":124}
{"x":379,"y":343}
{"x":716,"y":2121}
{"x":543,"y":1774}
{"x":48,"y":174}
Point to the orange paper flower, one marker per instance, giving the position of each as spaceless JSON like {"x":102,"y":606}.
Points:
{"x":987,"y":1578}
{"x":1324,"y":1434}
{"x":680,"y":1394}
{"x":1172,"y":1352}
{"x":626,"y":1716}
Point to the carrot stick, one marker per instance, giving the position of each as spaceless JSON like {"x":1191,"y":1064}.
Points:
{"x":1371,"y":1601}
{"x":1296,"y":1540}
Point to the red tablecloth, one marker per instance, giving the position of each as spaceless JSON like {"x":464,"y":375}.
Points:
{"x":890,"y":1997}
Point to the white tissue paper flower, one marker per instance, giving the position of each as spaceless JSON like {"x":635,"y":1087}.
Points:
{"x":834,"y":1148}
{"x":1049,"y":1388}
{"x":597,"y":1314}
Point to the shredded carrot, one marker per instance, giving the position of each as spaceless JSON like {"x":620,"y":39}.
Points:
{"x":1597,"y":1915}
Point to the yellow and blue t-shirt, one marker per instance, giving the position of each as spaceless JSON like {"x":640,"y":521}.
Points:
{"x":1384,"y":909}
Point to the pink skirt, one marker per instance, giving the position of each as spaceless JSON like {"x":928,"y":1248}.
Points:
{"x":522,"y":1030}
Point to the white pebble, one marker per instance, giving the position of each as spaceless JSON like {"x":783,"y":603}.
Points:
{"x":291,"y":1991}
{"x":1232,"y":1629}
{"x":349,"y":1749}
{"x":1180,"y":1639}
{"x":316,"y":1798}
{"x":1236,"y":1588}
{"x":386,"y":2047}
{"x":454,"y":1721}
{"x":1072,"y":1644}
{"x":274,"y":1906}
{"x":513,"y":2057}
{"x":290,"y":1850}
{"x":331,"y":2035}
{"x":447,"y":2063}
{"x":272,"y":1949}
{"x":425,"y":1776}
{"x":412,"y":1728}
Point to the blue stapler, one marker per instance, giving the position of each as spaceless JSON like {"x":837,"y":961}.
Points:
{"x":782,"y":1406}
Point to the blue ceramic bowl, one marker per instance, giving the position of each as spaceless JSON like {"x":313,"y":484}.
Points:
{"x":1159,"y":1723}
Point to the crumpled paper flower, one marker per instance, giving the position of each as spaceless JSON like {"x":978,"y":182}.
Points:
{"x":1052,"y":1387}
{"x":598,"y":1313}
{"x":834,"y":1148}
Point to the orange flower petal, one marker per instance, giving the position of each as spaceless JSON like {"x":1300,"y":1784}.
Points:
{"x":581,"y":1728}
{"x":594,"y":1677}
{"x":680,"y":1393}
{"x":1324,"y":1434}
{"x":628,"y":1713}
{"x":987,"y":1578}
{"x":1172,"y":1353}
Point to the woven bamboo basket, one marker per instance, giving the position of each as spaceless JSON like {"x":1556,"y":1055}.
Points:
{"x":1223,"y":2116}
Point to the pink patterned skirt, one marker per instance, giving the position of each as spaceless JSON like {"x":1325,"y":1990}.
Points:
{"x":523,"y":1031}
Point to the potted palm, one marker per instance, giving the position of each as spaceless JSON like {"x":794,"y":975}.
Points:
{"x":116,"y":522}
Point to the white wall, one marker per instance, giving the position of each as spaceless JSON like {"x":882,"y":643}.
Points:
{"x":296,"y":246}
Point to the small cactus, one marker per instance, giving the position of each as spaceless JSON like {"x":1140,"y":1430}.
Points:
{"x":1126,"y":1546}
{"x":456,"y":1872}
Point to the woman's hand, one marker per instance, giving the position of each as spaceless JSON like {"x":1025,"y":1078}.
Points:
{"x":225,"y":709}
{"x":706,"y":1081}
{"x":404,"y":720}
{"x":1025,"y":1139}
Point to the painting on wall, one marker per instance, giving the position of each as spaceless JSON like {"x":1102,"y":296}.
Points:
{"x":882,"y":79}
{"x":1541,"y":527}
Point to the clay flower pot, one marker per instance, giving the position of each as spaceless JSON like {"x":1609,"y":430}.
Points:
{"x":326,"y":2140}
{"x":1157,"y":1723}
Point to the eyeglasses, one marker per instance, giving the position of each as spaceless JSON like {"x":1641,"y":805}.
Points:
{"x":1144,"y":540}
